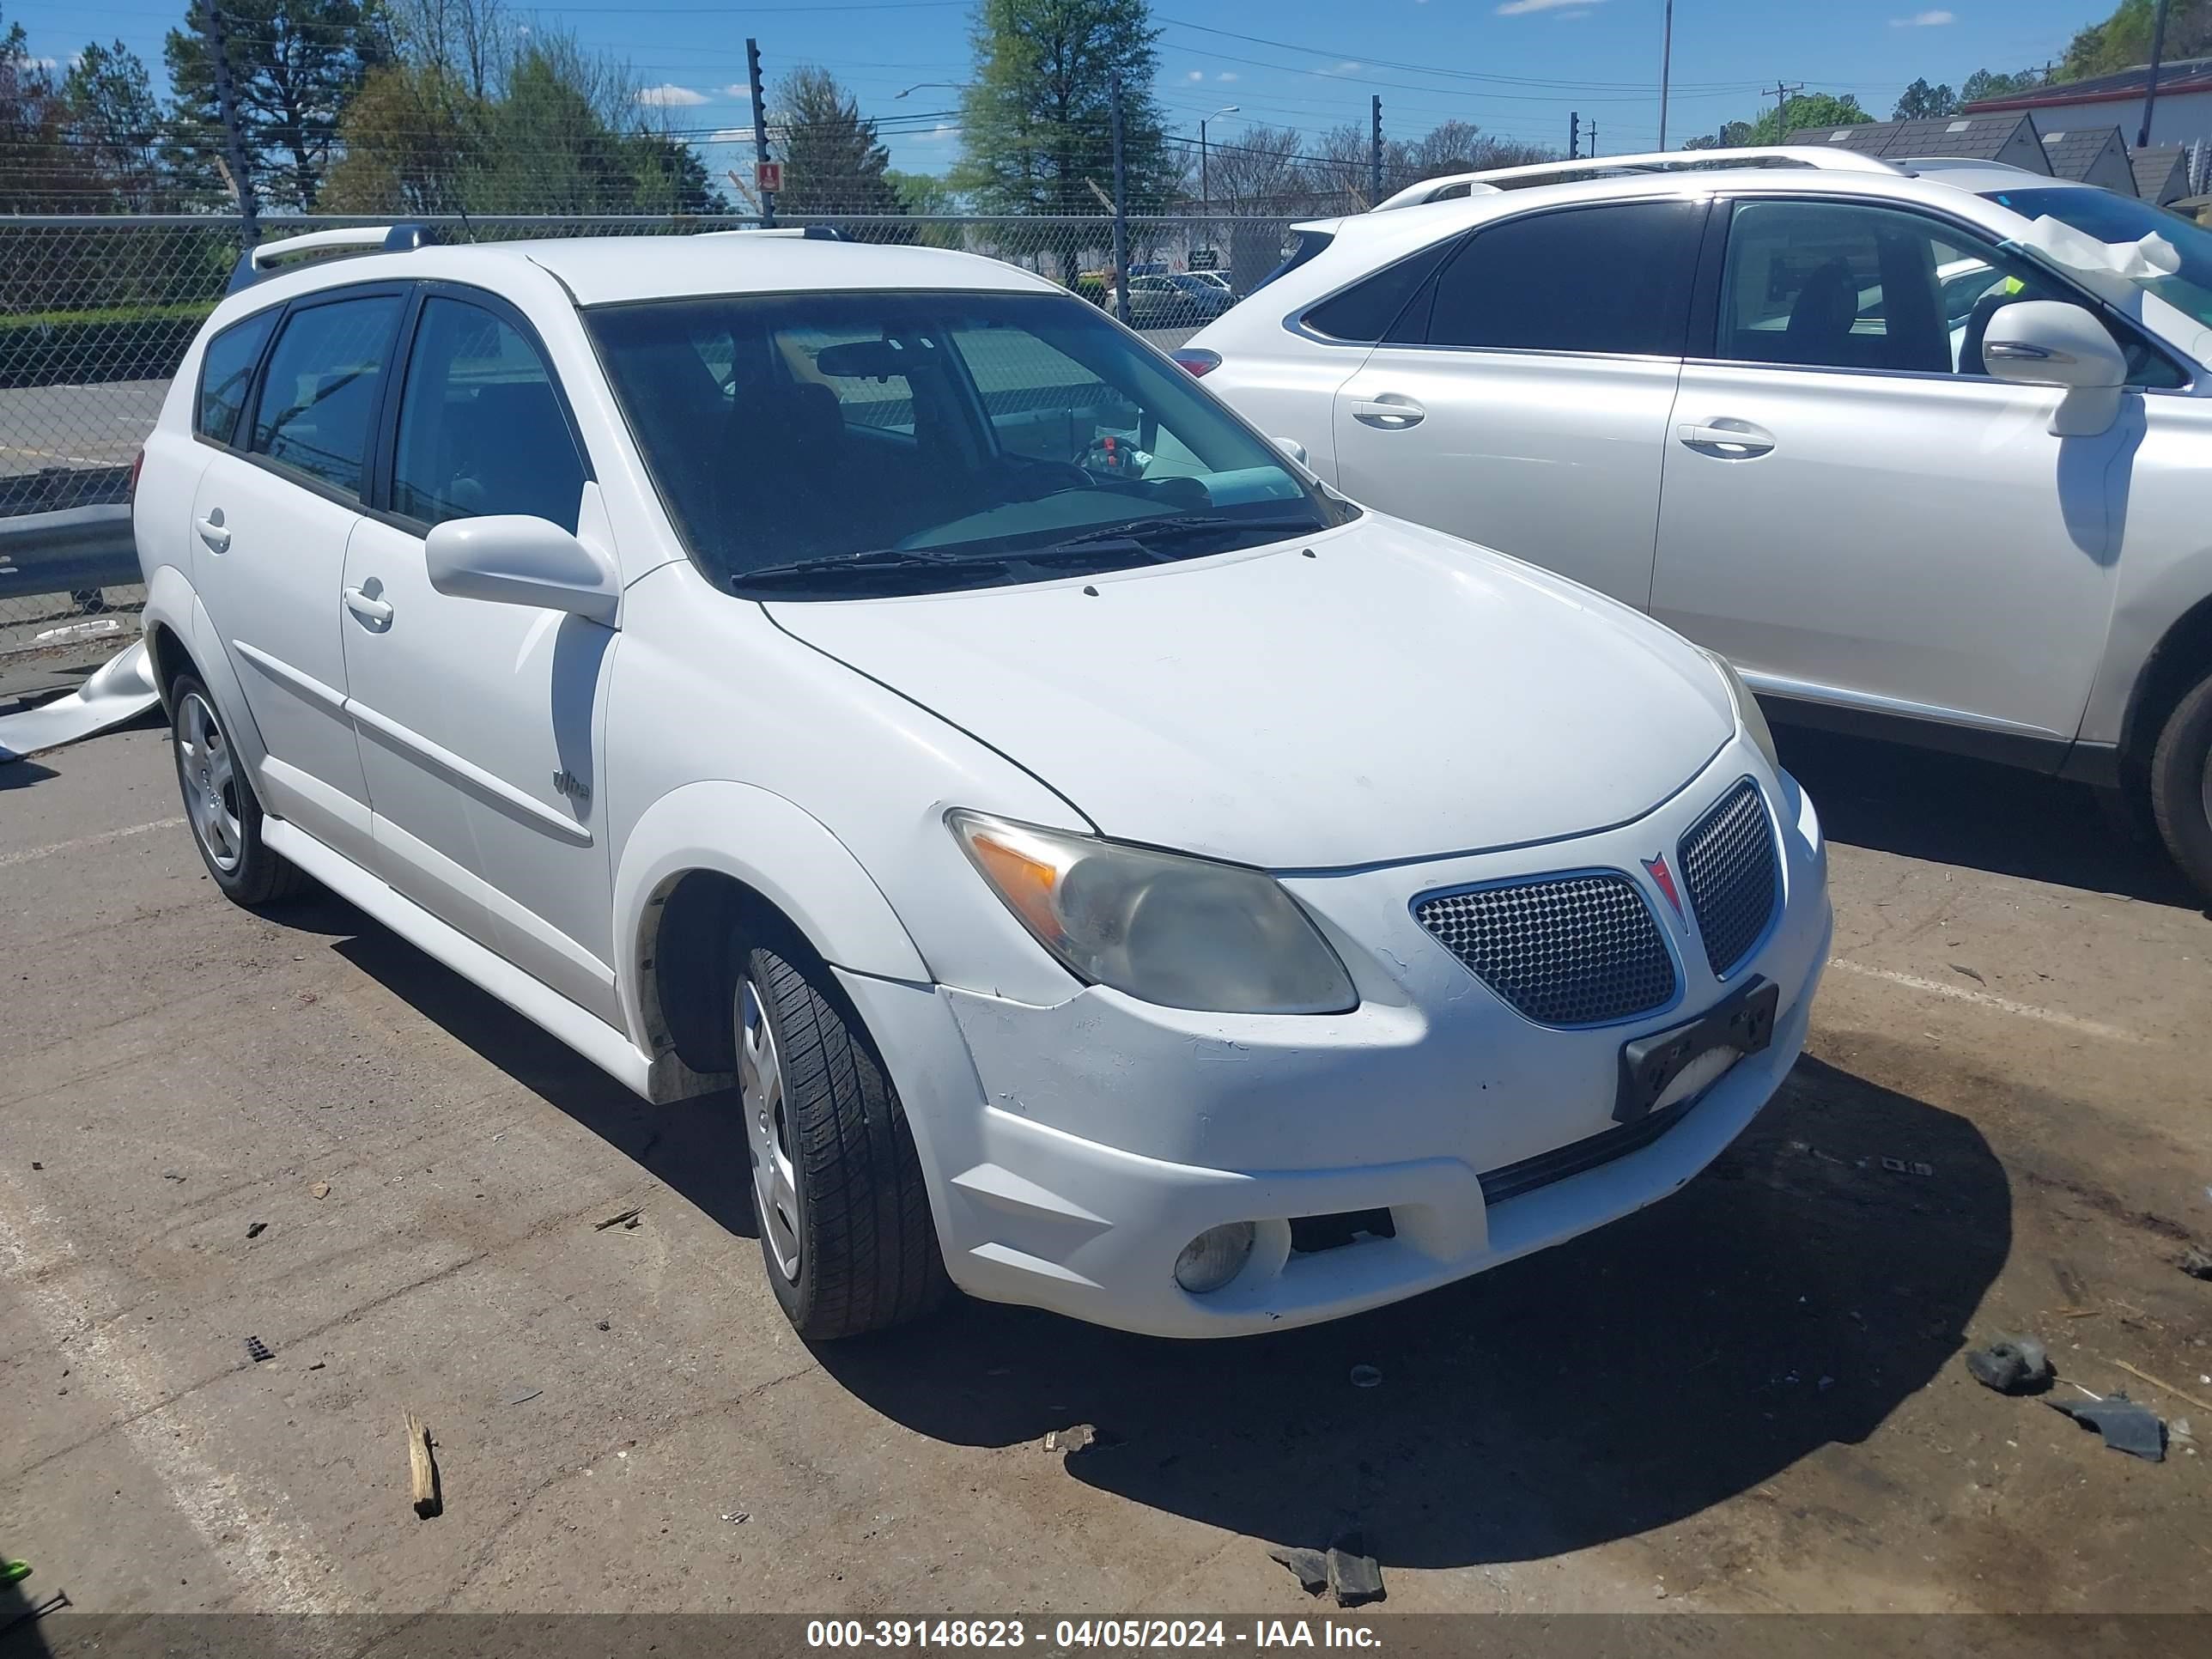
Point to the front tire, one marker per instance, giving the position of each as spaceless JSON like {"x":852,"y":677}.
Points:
{"x":845,"y":1230}
{"x":219,"y":803}
{"x":2181,"y":785}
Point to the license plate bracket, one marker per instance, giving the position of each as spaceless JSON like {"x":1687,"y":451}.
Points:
{"x":1744,"y":1021}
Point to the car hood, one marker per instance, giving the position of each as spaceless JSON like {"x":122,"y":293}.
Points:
{"x":1399,"y":695}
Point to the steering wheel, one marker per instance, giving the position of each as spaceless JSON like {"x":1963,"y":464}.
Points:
{"x":1035,"y":479}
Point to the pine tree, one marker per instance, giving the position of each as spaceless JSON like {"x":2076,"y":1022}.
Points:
{"x":833,"y":161}
{"x":117,"y":124}
{"x":1037,"y":122}
{"x":294,"y":66}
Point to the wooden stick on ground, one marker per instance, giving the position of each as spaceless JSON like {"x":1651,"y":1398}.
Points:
{"x":421,"y":1470}
{"x":2161,"y":1383}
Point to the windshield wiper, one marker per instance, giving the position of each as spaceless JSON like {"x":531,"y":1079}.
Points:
{"x":868,"y":559}
{"x":1168,"y":528}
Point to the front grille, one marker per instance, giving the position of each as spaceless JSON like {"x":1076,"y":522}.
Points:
{"x":1563,"y":951}
{"x":1734,"y":878}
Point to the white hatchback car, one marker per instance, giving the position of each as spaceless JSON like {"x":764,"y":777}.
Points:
{"x":1920,"y":446}
{"x":1117,"y":874}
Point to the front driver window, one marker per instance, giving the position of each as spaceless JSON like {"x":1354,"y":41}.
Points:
{"x":481,"y":429}
{"x":1841,"y":285}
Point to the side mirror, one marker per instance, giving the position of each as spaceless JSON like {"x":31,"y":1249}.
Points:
{"x":1293,"y":448}
{"x":513,"y":559}
{"x":2052,"y":342}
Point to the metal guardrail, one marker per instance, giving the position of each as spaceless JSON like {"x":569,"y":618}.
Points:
{"x":73,"y":550}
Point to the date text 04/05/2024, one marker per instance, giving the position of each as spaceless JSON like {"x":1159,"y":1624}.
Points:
{"x":1068,"y":1634}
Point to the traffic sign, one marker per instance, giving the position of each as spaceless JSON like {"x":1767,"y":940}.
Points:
{"x":768,"y":177}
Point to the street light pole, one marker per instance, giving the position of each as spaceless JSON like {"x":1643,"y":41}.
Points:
{"x":1665,"y":67}
{"x":1205,"y":195}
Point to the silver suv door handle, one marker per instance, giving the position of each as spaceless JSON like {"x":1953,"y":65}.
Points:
{"x":1734,"y":440}
{"x":366,"y":606}
{"x":1388,"y":413}
{"x":213,"y":533}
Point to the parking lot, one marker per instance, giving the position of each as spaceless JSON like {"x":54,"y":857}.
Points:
{"x":218,"y":1128}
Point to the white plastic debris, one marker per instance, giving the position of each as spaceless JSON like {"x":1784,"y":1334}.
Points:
{"x":120,"y":689}
{"x":2142,"y":261}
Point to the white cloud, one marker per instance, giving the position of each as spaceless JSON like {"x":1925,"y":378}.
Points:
{"x":939,"y":133}
{"x":1924,"y":19}
{"x":1347,"y":67}
{"x":1195,"y":75}
{"x":1523,"y":7}
{"x":670,"y":97}
{"x":731,"y":136}
{"x":1226,"y":75}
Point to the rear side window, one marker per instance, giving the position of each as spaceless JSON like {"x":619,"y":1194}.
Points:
{"x":320,"y":393}
{"x":481,"y":427}
{"x":226,"y":374}
{"x":1379,"y":308}
{"x":1614,"y":278}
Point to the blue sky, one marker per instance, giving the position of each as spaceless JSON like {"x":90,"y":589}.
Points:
{"x":1514,"y":67}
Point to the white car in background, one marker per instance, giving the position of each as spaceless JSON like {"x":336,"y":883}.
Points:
{"x":1116,"y":873}
{"x":1922,"y":461}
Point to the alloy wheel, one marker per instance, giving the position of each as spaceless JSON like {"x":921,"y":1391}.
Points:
{"x":209,"y":774}
{"x":768,"y":1130}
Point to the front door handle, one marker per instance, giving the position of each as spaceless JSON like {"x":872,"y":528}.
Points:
{"x":365,"y":604}
{"x":212,"y":533}
{"x":1388,"y":413}
{"x":1732,"y":440}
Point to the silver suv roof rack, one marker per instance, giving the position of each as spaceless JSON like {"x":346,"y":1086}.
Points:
{"x":1669,"y":161}
{"x":266,"y":259}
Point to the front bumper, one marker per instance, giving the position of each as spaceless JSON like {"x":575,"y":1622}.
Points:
{"x":1073,"y":1151}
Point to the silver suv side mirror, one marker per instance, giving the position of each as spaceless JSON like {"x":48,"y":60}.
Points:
{"x":2052,"y":342}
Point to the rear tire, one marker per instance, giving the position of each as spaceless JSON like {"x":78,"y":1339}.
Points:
{"x":219,"y":803}
{"x":2181,"y":785}
{"x":845,"y":1229}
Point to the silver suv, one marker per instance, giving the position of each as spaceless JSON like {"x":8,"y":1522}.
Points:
{"x":1920,"y":446}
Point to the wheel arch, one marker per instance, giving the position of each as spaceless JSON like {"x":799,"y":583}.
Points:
{"x":701,"y":861}
{"x":2182,"y":657}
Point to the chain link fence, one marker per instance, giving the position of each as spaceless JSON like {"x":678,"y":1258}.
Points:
{"x":96,"y":313}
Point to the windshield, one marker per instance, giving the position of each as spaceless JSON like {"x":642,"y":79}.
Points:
{"x":815,"y":444}
{"x":2114,"y":218}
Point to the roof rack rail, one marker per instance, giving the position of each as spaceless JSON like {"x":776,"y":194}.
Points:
{"x":1670,"y":160}
{"x":805,"y":233}
{"x":264,"y":260}
{"x":1961,"y":163}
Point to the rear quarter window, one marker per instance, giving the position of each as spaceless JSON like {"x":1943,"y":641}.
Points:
{"x":227,"y":374}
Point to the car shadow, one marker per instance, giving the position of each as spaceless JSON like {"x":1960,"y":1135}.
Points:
{"x":19,"y":773}
{"x":695,"y":1147}
{"x":1952,"y":809}
{"x":1789,"y":1299}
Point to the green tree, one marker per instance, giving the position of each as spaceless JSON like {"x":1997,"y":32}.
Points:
{"x":833,"y":160}
{"x":1922,"y":102}
{"x":116,"y":122}
{"x":924,"y":195}
{"x":40,"y":170}
{"x":415,"y":139}
{"x":294,"y":66}
{"x":1774,"y":126}
{"x":2123,"y":40}
{"x":1037,"y":119}
{"x":1996,"y":83}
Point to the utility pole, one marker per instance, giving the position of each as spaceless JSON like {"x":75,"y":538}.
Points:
{"x":2150,"y":89}
{"x":1591,"y":137}
{"x":234,"y":135}
{"x":1120,"y":207}
{"x":1574,"y":135}
{"x":1783,"y":92}
{"x":1666,"y":69}
{"x":760,"y":133}
{"x":1374,"y":153}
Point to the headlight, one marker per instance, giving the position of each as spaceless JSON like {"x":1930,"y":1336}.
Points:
{"x":1747,"y":711}
{"x":1184,"y":933}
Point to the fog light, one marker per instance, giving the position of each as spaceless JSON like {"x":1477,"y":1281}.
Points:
{"x":1214,"y":1257}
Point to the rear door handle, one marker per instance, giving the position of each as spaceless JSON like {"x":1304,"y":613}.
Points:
{"x":366,"y":606}
{"x":212,"y":533}
{"x":1732,"y":440}
{"x":1388,"y":413}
